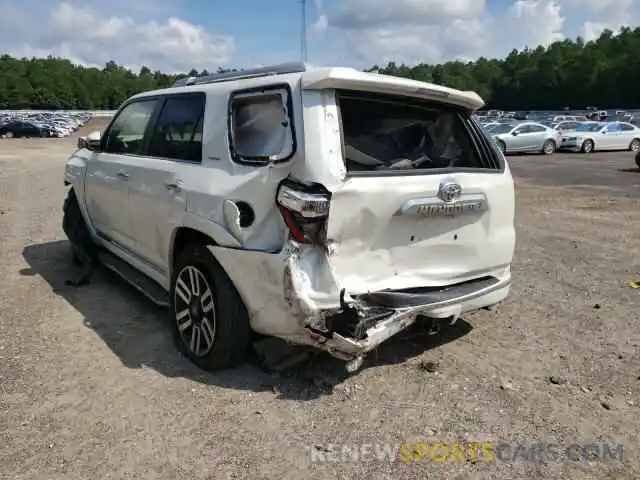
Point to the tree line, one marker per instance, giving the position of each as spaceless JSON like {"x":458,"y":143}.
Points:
{"x":569,"y":73}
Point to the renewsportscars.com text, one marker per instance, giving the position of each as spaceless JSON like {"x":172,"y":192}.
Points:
{"x":485,"y":452}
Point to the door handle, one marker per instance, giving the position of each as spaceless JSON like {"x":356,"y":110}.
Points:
{"x":123,"y":175}
{"x":175,"y":186}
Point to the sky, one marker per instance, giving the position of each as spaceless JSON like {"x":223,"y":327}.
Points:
{"x":177,"y":35}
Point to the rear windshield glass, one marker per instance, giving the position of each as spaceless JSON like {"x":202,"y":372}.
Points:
{"x":502,"y":128}
{"x":589,"y":127}
{"x":400,"y":133}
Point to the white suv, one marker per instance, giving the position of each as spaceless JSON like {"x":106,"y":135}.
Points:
{"x":328,"y":207}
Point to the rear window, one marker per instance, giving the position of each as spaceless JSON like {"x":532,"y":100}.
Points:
{"x":589,"y":127}
{"x":394,"y":133}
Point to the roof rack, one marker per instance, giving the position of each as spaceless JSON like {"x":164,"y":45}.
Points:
{"x":280,"y":69}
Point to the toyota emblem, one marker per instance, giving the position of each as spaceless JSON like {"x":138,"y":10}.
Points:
{"x":449,"y":192}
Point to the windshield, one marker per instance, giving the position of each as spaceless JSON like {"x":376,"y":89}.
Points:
{"x":391,"y":132}
{"x":501,"y":128}
{"x":589,"y":127}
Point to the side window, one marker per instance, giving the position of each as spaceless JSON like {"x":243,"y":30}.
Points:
{"x":126,"y":134}
{"x":178,"y":131}
{"x":522,"y":129}
{"x":626,"y":128}
{"x":260,"y":126}
{"x":536,"y":129}
{"x":613,"y":127}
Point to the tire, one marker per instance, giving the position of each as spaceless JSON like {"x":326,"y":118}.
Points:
{"x":638,"y":159}
{"x":223,"y":333}
{"x":502,"y":146}
{"x":9,"y":135}
{"x":549,"y":147}
{"x":75,"y":256}
{"x":76,"y":230}
{"x":634,"y":146}
{"x":587,"y":146}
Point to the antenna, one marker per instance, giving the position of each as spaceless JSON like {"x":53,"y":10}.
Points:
{"x":303,"y":39}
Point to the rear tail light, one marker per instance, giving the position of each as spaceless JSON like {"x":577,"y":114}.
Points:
{"x":304,"y":210}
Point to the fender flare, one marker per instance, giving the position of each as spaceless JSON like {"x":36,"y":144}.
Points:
{"x":214,"y":231}
{"x":74,"y":176}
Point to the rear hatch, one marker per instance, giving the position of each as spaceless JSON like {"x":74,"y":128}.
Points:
{"x":427,"y":201}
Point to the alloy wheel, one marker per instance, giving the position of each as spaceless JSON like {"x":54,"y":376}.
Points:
{"x":194,"y":310}
{"x":548,"y":148}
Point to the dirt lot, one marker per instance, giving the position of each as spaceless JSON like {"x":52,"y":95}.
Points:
{"x":91,"y":386}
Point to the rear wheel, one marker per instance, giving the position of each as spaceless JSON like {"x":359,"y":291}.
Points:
{"x":587,"y":146}
{"x":549,"y":147}
{"x":209,"y":321}
{"x":634,"y":146}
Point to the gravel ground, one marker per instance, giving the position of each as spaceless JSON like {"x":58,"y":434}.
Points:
{"x":92,"y":387}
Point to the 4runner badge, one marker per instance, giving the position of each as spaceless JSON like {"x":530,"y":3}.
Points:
{"x":448,"y":203}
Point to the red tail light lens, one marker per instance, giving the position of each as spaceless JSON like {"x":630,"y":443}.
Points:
{"x":305,"y":210}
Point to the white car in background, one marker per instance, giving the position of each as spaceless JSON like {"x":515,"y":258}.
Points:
{"x":525,"y":137}
{"x":592,"y":136}
{"x":568,"y":118}
{"x":566,"y":125}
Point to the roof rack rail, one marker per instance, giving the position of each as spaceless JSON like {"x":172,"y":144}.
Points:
{"x":280,"y":69}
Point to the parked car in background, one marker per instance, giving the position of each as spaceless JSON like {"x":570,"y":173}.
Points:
{"x":568,"y":118}
{"x":567,"y":125}
{"x":41,"y":123}
{"x":490,"y":126}
{"x":592,"y":136}
{"x":526,"y":137}
{"x":18,"y":129}
{"x":598,"y":116}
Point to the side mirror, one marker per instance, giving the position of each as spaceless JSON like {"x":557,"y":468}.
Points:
{"x":91,"y":141}
{"x":514,"y":133}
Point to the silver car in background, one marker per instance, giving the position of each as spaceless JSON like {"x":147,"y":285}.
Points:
{"x":592,"y":136}
{"x":525,"y":137}
{"x":566,"y":125}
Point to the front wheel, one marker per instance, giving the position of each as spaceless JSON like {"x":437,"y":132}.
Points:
{"x":209,"y":321}
{"x":634,"y":146}
{"x":75,"y":228}
{"x":587,"y":146}
{"x":549,"y":147}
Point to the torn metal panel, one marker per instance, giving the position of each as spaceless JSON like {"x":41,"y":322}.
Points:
{"x":294,"y":295}
{"x":377,"y":246}
{"x":285,"y":292}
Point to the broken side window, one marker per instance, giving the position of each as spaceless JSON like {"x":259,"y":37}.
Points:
{"x":261,"y":126}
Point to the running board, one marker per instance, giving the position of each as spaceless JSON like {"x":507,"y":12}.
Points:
{"x":137,"y":280}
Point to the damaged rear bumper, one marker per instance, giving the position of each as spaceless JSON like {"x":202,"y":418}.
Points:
{"x":294,"y":295}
